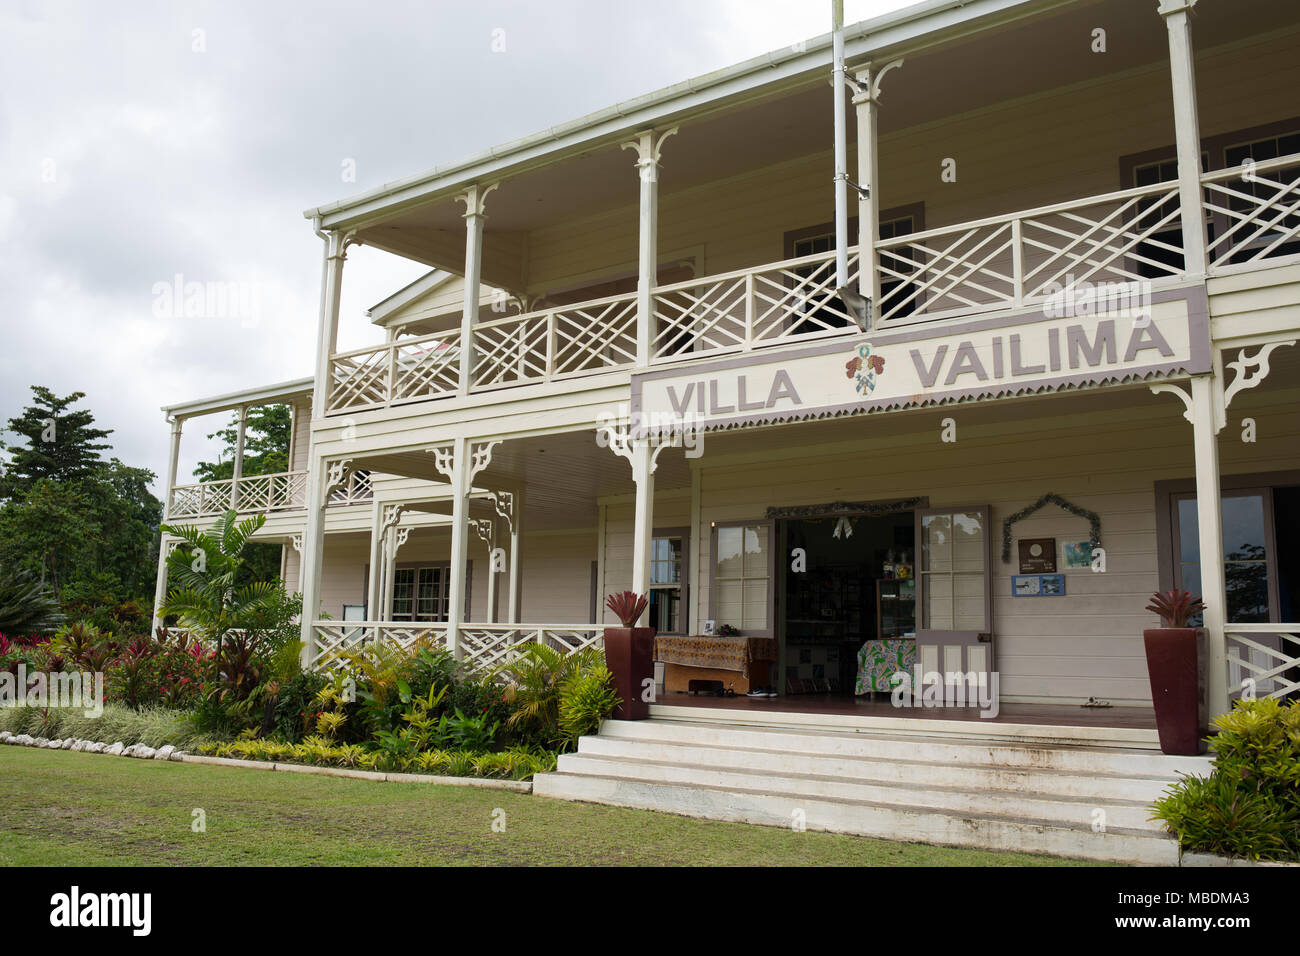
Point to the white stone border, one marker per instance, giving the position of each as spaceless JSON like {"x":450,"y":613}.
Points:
{"x":169,"y":752}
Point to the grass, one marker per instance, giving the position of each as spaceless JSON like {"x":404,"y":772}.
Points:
{"x":63,"y":808}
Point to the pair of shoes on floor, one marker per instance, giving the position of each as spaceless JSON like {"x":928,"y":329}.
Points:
{"x":762,"y":692}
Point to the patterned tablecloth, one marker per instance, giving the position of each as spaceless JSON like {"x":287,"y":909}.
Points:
{"x":879,"y":660}
{"x":720,"y":653}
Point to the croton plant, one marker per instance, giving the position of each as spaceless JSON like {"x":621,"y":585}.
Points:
{"x":627,"y":606}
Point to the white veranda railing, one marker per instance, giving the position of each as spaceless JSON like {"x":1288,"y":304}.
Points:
{"x":768,"y":305}
{"x":259,"y":494}
{"x":483,"y":645}
{"x":1008,"y":261}
{"x":1263,"y":659}
{"x":1254,"y":211}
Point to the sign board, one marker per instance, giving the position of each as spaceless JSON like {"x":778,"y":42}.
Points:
{"x":929,"y":364}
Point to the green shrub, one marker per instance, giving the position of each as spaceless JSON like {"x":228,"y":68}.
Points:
{"x":586,"y":699}
{"x":1249,"y":806}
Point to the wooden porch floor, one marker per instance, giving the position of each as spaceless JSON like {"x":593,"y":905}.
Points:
{"x":1056,"y":715}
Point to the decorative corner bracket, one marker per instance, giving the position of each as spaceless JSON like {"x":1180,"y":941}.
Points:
{"x":649,"y":147}
{"x":1248,"y":371}
{"x":296,"y":541}
{"x":503,"y":502}
{"x":336,"y":476}
{"x":1183,"y":393}
{"x":865,"y":82}
{"x":475,"y":198}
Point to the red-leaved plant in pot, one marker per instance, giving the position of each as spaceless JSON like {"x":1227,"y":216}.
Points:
{"x":1174,"y":666}
{"x":629,"y":654}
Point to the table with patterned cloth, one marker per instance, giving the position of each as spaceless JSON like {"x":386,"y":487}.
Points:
{"x":879,"y":660}
{"x":716,"y":653}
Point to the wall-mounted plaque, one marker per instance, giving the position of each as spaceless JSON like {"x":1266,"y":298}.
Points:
{"x":1037,"y":555}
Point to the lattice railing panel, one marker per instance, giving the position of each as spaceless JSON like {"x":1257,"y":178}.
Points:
{"x":511,"y":351}
{"x":594,"y":336}
{"x":201,"y":500}
{"x":963,"y":269}
{"x":798,"y":299}
{"x":1136,"y":237}
{"x":1263,"y":659}
{"x":427,"y":367}
{"x":359,"y":380}
{"x":334,"y":639}
{"x":707,"y":316}
{"x":1254,"y":210}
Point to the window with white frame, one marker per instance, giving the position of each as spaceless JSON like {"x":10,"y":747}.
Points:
{"x":742,"y":577}
{"x":421,"y":593}
{"x":666,"y":554}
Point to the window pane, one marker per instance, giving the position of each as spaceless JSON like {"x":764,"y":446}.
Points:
{"x":756,"y":551}
{"x":754,"y":612}
{"x":968,"y":549}
{"x":729,"y":562}
{"x":969,"y":615}
{"x":665,"y":610}
{"x":666,"y":561}
{"x":937,"y":614}
{"x":936,"y":543}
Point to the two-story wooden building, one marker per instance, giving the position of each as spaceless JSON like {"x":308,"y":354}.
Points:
{"x":629,"y":366}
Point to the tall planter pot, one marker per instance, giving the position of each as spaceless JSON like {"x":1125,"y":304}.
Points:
{"x":1177,"y":687}
{"x":629,"y":654}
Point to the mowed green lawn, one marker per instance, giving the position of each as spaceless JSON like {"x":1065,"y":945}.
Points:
{"x":63,"y":808}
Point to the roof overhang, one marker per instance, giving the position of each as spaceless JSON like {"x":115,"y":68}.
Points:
{"x":915,"y":27}
{"x":279,"y":394}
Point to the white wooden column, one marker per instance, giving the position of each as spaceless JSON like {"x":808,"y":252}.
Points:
{"x":1209,"y":522}
{"x":173,"y":466}
{"x":486,"y":529}
{"x":516,"y":555}
{"x":374,"y":582}
{"x":649,"y":149}
{"x":643,"y":473}
{"x":866,"y":99}
{"x":1187,"y":131}
{"x":327,"y":333}
{"x":458,"y":472}
{"x":474,"y":199}
{"x":318,"y":469}
{"x":241,"y":428}
{"x":322,"y":478}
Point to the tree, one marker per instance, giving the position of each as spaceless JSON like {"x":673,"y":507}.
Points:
{"x":62,"y":445}
{"x":207,"y":598}
{"x":266,"y":444}
{"x":85,"y":527}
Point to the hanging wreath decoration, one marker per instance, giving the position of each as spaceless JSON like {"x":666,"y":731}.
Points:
{"x":1094,"y":521}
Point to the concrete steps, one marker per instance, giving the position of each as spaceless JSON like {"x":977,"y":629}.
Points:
{"x":994,"y":794}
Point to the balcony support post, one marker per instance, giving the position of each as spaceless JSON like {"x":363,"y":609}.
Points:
{"x":323,"y":478}
{"x":241,"y":426}
{"x":173,"y":465}
{"x":474,"y":199}
{"x":374,"y":582}
{"x":1209,"y":520}
{"x":1187,"y":132}
{"x":866,"y":100}
{"x":327,"y":335}
{"x":649,"y":149}
{"x":516,"y":554}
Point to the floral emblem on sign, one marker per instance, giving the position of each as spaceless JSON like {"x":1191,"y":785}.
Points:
{"x":863,"y":368}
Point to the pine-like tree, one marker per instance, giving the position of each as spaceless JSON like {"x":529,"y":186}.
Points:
{"x":62,"y":443}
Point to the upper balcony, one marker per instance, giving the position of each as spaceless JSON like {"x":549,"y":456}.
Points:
{"x":993,"y":190}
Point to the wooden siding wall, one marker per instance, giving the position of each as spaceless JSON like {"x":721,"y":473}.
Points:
{"x":556,"y":567}
{"x":1086,"y":644}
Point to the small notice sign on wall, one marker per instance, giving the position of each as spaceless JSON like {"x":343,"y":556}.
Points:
{"x":1037,"y":555}
{"x":1038,"y":585}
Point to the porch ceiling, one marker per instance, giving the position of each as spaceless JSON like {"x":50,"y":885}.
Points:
{"x":562,"y":475}
{"x":766,"y":127}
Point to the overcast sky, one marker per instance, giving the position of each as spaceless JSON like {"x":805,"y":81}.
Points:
{"x":140,"y":141}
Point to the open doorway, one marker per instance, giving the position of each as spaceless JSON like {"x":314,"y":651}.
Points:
{"x":849,"y":583}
